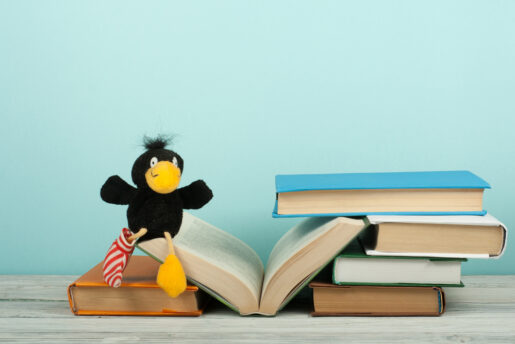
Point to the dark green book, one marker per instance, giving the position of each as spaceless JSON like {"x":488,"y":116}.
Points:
{"x":354,"y":267}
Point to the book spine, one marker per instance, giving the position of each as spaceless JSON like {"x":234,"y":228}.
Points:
{"x":70,"y":298}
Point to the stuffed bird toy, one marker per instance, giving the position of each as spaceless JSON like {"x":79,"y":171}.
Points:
{"x":155,"y":210}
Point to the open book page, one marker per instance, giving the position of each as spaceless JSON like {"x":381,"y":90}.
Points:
{"x":294,"y":240}
{"x":216,"y":260}
{"x":221,"y":249}
{"x":303,"y":250}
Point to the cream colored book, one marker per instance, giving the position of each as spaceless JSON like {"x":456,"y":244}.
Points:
{"x":435,"y":236}
{"x":232,"y":272}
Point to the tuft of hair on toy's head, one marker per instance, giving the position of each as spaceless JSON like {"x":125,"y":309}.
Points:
{"x":158,"y":142}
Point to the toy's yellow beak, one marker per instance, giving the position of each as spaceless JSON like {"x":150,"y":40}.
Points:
{"x":164,"y":177}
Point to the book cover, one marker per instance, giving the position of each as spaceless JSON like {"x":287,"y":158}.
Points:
{"x":380,"y":180}
{"x":326,"y":184}
{"x":138,"y":294}
{"x":336,"y":300}
{"x":354,"y":267}
{"x":447,"y":233}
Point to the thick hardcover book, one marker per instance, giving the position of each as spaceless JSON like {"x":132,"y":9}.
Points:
{"x":355,"y":194}
{"x":338,"y":300}
{"x":354,"y":267}
{"x":435,"y":236}
{"x":138,"y":294}
{"x":232,"y":272}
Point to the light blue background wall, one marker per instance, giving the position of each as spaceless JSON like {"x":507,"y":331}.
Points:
{"x":253,"y":89}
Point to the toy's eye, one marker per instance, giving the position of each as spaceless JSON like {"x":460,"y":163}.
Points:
{"x":153,"y":162}
{"x":174,"y":161}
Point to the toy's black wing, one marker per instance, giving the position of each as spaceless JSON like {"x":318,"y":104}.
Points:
{"x":195,"y":195}
{"x":117,"y":191}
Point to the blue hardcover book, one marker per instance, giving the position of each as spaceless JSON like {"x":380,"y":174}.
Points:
{"x":394,"y":193}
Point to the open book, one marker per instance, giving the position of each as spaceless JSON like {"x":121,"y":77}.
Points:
{"x":232,"y":272}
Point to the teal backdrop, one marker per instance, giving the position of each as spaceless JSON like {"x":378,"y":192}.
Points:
{"x":252,"y":89}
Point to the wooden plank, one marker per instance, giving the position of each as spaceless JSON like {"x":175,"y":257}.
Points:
{"x":304,"y":325}
{"x":247,"y":328}
{"x":263,"y":337}
{"x":34,"y":287}
{"x":53,"y":287}
{"x":60,"y":309}
{"x":34,"y":309}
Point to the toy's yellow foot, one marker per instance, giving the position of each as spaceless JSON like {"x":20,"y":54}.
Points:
{"x":171,"y":277}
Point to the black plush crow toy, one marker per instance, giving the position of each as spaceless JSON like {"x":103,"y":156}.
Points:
{"x":156,"y":203}
{"x":155,"y":210}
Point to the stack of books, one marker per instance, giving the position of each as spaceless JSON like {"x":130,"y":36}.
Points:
{"x":395,"y":240}
{"x":420,"y":227}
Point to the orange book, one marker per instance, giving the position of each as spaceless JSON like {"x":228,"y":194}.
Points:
{"x":138,"y":294}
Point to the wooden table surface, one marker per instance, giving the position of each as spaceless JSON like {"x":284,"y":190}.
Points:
{"x":34,"y":309}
